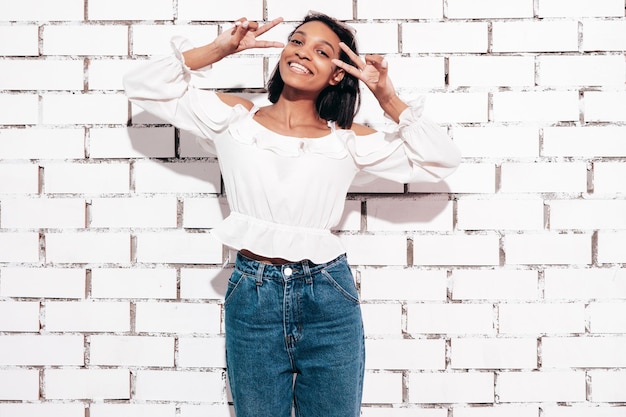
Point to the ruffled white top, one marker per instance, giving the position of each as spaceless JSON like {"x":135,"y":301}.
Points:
{"x":286,"y":193}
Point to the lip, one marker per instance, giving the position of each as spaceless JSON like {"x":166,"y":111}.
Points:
{"x":298,"y":68}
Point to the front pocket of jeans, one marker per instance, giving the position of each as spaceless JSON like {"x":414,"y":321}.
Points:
{"x":234,"y":283}
{"x":345,"y":292}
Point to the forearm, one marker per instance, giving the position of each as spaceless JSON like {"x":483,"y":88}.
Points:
{"x":393,"y":106}
{"x":203,"y":56}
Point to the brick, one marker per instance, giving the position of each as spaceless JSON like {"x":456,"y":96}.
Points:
{"x":442,"y":318}
{"x":379,"y":319}
{"x":607,"y":317}
{"x":179,"y":386}
{"x":468,"y":178}
{"x":497,"y":142}
{"x":201,"y":352}
{"x":578,"y":8}
{"x":589,"y":142}
{"x":377,"y":185}
{"x":541,"y":318}
{"x":401,"y":354}
{"x":547,"y":248}
{"x":605,"y":106}
{"x":43,"y":10}
{"x":456,"y":249}
{"x":95,"y":384}
{"x":385,"y":388}
{"x":133,"y":283}
{"x":546,"y":386}
{"x":19,"y":316}
{"x":402,"y":71}
{"x":93,"y":108}
{"x":604,"y":35}
{"x":178,"y":247}
{"x":85,"y":40}
{"x":234,"y":72}
{"x":398,"y":9}
{"x":494,"y":284}
{"x":499,"y":214}
{"x":584,"y":284}
{"x":180,"y":318}
{"x":339,"y":9}
{"x":192,"y":146}
{"x":375,"y":250}
{"x":490,"y":71}
{"x":42,"y":409}
{"x":155,"y":211}
{"x":19,"y":109}
{"x":26,"y":213}
{"x":89,"y":178}
{"x":45,"y":282}
{"x":388,"y":214}
{"x":607,"y":386}
{"x":444,"y":37}
{"x":607,"y":177}
{"x":222,"y":409}
{"x":403,"y":284}
{"x":611,"y":246}
{"x":132,"y":142}
{"x":543,"y":106}
{"x":42,"y":143}
{"x":457,"y":107}
{"x":24,"y":40}
{"x":489,"y":9}
{"x":497,"y":411}
{"x":131,"y":410}
{"x":582,"y":410}
{"x":38,"y":350}
{"x":204,"y":212}
{"x":87,"y":316}
{"x":402,"y":412}
{"x":543,"y":177}
{"x":19,"y":384}
{"x":155,"y":39}
{"x":585,"y":70}
{"x":19,"y":247}
{"x":377,"y":38}
{"x":131,"y":351}
{"x":204,"y":283}
{"x":435,"y":388}
{"x":201,"y":10}
{"x":587,"y":214}
{"x":87,"y":247}
{"x":137,"y":10}
{"x":350,"y":218}
{"x":187,"y":177}
{"x":50,"y":74}
{"x":500,"y":353}
{"x":535,"y":36}
{"x":583,"y":352}
{"x":107,"y":74}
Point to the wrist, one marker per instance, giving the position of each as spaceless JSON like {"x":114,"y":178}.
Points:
{"x":393,"y":106}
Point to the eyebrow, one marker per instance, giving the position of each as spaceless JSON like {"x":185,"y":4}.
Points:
{"x":301,"y":32}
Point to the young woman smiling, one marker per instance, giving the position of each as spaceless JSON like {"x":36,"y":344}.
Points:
{"x":294,"y":334}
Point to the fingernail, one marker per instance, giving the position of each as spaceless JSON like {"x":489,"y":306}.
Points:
{"x":384,"y":63}
{"x":238,"y":23}
{"x":245,"y":24}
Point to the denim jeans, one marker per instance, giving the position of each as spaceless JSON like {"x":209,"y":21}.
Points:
{"x":294,"y":338}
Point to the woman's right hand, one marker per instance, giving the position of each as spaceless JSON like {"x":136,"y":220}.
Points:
{"x":243,"y":35}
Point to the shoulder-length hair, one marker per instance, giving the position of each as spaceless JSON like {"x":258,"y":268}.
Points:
{"x":339,"y":102}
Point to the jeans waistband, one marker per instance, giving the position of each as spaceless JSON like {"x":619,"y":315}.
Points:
{"x":290,"y":270}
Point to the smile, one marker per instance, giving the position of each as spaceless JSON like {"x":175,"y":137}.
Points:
{"x":299,"y":68}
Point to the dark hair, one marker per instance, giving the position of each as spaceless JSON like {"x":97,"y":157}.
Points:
{"x":338,"y":102}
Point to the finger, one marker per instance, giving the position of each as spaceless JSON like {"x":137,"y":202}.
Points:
{"x":354,"y":57}
{"x":269,"y":26}
{"x":350,"y":69}
{"x":269,"y":44}
{"x":377,"y":61}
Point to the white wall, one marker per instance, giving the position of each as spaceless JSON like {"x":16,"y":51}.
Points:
{"x":497,"y":293}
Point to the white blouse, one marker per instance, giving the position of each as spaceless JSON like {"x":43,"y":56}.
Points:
{"x":286,"y":193}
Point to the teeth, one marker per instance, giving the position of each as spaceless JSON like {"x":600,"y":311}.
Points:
{"x":299,"y":67}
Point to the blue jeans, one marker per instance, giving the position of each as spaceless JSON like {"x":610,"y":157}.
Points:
{"x":294,"y":338}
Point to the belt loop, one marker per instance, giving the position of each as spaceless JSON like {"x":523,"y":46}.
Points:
{"x":307,"y":272}
{"x":259,"y":273}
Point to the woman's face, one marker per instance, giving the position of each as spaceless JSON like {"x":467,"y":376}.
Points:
{"x":306,"y":61}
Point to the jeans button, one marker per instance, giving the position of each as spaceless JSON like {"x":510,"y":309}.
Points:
{"x":288,"y":271}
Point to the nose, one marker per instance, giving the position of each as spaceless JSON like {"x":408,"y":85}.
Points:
{"x":302,"y":53}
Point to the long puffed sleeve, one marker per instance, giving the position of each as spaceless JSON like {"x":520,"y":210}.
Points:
{"x":419,"y":150}
{"x":162,"y":87}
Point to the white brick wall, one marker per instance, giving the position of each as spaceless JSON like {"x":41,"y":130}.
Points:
{"x":499,"y":292}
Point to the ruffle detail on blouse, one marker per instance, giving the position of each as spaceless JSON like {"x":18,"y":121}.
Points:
{"x":273,"y":240}
{"x":249,"y":132}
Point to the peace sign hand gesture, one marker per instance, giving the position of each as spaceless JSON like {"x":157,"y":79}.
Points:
{"x":243,"y":35}
{"x":372,"y":71}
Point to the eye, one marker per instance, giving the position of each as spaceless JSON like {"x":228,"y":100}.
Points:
{"x":323,"y":53}
{"x":295,"y":41}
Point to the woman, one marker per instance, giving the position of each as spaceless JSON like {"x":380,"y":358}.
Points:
{"x":294,"y":336}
